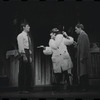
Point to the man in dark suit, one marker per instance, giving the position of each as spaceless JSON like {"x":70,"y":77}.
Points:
{"x":25,"y":59}
{"x":83,"y":55}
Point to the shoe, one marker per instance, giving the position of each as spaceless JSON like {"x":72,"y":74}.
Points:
{"x":83,"y":90}
{"x":23,"y":92}
{"x":69,"y":90}
{"x":26,"y":92}
{"x":20,"y":92}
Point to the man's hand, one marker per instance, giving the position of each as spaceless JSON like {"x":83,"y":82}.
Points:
{"x":83,"y":60}
{"x":25,"y":58}
{"x":30,"y":51}
{"x":30,"y":59}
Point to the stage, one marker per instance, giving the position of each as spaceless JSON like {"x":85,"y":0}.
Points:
{"x":46,"y":93}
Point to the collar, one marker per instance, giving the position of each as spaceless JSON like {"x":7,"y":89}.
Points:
{"x":24,"y":33}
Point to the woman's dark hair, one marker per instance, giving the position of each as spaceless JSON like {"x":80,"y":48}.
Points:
{"x":54,"y":30}
{"x":80,"y":26}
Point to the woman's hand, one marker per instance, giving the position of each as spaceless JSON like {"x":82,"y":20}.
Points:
{"x":65,"y":34}
{"x":41,"y":46}
{"x":75,"y":44}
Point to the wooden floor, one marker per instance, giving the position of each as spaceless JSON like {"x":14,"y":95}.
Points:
{"x":46,"y":93}
{"x":50,"y":95}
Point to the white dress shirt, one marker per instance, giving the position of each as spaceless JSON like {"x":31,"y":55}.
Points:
{"x":23,"y":42}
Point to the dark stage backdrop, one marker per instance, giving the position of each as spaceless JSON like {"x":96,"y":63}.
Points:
{"x":43,"y":68}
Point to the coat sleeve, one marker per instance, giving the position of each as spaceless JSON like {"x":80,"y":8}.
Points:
{"x":58,"y":39}
{"x":52,"y":44}
{"x":20,"y":44}
{"x":48,"y":50}
{"x":68,"y":41}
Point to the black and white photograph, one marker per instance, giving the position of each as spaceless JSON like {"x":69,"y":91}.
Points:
{"x":49,"y":50}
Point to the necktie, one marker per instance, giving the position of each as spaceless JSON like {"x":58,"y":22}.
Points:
{"x":29,"y":41}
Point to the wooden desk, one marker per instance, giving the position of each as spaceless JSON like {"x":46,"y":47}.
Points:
{"x":94,"y":71}
{"x":95,"y":65}
{"x":13,"y":69}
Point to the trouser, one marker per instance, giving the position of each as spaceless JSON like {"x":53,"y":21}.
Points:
{"x":58,"y":78}
{"x":66,"y":78}
{"x":25,"y":74}
{"x":57,"y":82}
{"x":84,"y":81}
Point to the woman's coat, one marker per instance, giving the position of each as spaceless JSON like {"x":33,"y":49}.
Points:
{"x":60,"y":57}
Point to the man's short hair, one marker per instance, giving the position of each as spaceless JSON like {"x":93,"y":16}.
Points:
{"x":23,"y":24}
{"x":80,"y":26}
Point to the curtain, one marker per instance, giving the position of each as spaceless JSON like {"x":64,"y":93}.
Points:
{"x":43,"y":68}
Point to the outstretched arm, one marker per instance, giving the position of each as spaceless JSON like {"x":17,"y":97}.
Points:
{"x":75,"y":44}
{"x":41,"y":46}
{"x":65,"y":35}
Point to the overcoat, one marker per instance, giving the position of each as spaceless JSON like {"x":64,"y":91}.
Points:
{"x":83,"y":52}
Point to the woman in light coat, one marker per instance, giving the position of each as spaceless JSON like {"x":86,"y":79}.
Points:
{"x":61,"y":59}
